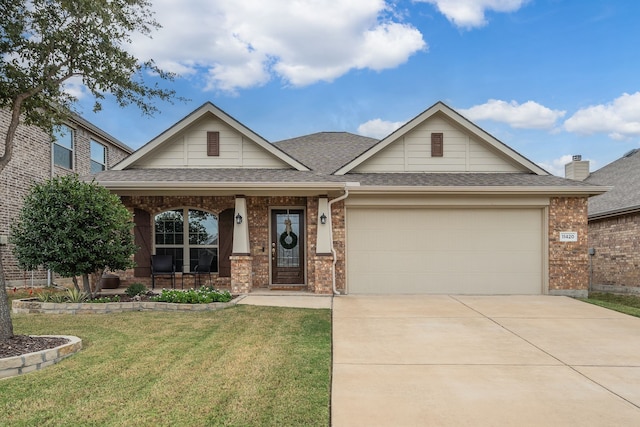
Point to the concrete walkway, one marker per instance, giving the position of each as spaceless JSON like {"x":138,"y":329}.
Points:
{"x":483,"y":361}
{"x":287,"y":299}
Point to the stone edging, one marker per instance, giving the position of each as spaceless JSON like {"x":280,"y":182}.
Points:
{"x":34,"y":306}
{"x":18,"y":365}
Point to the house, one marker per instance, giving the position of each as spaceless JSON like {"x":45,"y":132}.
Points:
{"x":614,"y":226}
{"x":439,"y":206}
{"x":79,"y":147}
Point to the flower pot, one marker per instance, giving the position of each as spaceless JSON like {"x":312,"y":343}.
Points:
{"x":110,"y":281}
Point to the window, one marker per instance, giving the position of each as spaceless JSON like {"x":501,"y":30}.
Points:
{"x":98,"y":157}
{"x":185,"y":240}
{"x":437,"y":145}
{"x":63,"y":147}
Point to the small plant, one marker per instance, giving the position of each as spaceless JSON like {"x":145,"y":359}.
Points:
{"x":75,"y":295}
{"x":44,"y":297}
{"x":203,"y":295}
{"x":136,"y":289}
{"x":58,"y":298}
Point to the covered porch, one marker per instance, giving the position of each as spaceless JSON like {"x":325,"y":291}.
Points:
{"x":259,"y":242}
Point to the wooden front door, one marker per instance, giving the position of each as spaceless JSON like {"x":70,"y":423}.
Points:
{"x":287,"y":247}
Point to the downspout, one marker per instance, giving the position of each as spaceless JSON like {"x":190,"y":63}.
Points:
{"x":333,"y":249}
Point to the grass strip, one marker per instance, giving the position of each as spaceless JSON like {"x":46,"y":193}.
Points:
{"x":628,"y":304}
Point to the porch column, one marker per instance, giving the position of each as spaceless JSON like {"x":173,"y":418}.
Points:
{"x":323,"y":237}
{"x":241,"y":228}
{"x":323,"y":274}
{"x":241,"y":273}
{"x":241,"y":260}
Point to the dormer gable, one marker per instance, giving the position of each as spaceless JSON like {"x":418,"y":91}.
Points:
{"x":208,"y":138}
{"x":440,"y":140}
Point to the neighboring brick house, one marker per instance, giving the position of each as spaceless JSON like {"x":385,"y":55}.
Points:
{"x":80,"y":148}
{"x":614,"y":226}
{"x":438,"y":206}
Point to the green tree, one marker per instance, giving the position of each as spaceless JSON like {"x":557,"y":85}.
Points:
{"x":73,"y":228}
{"x":44,"y":43}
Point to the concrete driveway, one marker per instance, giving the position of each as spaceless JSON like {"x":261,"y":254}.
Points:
{"x":483,"y":361}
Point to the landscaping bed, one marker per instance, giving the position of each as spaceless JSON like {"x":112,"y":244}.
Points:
{"x":134,"y":299}
{"x":23,"y":344}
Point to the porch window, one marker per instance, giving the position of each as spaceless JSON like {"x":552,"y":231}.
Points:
{"x":185,"y":240}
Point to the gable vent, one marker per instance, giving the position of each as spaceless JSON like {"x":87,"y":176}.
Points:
{"x":437,"y":145}
{"x":213,"y":144}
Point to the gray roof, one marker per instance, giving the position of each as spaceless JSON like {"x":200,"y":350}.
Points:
{"x":368,"y":179}
{"x":96,"y":130}
{"x":624,"y":176}
{"x":325,"y":152}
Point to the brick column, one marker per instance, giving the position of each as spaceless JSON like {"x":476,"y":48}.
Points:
{"x":568,"y":261}
{"x":241,"y":280}
{"x":323,"y":276}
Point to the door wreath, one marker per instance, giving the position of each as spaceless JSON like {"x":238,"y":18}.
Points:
{"x":288,"y":239}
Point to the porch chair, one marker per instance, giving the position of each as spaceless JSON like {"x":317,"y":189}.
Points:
{"x":204,"y":267}
{"x":162,"y":265}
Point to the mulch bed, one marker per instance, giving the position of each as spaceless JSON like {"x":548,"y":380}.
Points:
{"x":23,"y":344}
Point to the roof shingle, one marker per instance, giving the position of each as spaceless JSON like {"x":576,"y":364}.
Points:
{"x":624,"y":175}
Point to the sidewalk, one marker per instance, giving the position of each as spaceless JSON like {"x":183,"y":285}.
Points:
{"x":287,"y":299}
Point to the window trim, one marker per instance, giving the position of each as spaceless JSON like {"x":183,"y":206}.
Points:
{"x":186,"y":246}
{"x":71,"y":150}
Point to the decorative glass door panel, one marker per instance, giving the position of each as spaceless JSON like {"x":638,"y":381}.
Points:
{"x":287,"y":246}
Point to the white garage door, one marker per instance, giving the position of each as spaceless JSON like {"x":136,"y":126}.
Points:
{"x":444,"y":251}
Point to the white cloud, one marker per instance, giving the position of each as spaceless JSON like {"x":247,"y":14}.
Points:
{"x":245,"y":43}
{"x":529,"y":115}
{"x":556,"y":166}
{"x":619,"y":119}
{"x":471,"y":13}
{"x":75,"y":87}
{"x":378,"y":128}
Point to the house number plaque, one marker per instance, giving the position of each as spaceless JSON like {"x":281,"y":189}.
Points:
{"x":568,"y":236}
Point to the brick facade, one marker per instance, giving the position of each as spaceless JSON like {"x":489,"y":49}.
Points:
{"x":31,"y":163}
{"x":318,"y":269}
{"x":568,"y":261}
{"x":616,"y":263}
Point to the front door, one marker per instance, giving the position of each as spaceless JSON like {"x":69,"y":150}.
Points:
{"x":287,"y":247}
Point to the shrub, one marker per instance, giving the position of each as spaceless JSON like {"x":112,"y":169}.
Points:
{"x":136,"y":289}
{"x":75,"y":295}
{"x":44,"y":297}
{"x":203,"y":295}
{"x":58,"y":298}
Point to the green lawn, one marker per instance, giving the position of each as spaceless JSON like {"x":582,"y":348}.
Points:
{"x":628,"y":304}
{"x":242,"y":366}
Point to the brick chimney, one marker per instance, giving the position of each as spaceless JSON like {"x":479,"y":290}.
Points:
{"x":577,"y":169}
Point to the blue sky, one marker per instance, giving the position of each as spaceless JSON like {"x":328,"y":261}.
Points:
{"x":549,"y":78}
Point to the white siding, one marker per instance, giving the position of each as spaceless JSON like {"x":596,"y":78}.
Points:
{"x":189,"y":149}
{"x":462,"y":153}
